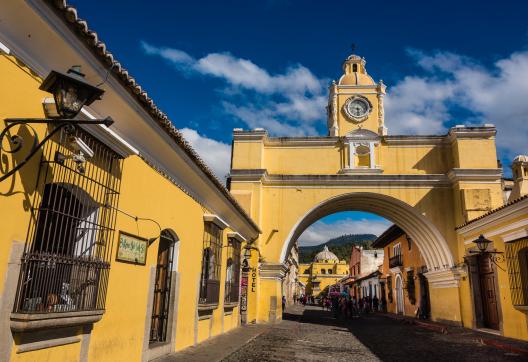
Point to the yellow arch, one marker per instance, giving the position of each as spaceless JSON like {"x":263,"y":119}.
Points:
{"x":430,"y":241}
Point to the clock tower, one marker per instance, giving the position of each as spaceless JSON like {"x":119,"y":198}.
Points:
{"x":356,"y":101}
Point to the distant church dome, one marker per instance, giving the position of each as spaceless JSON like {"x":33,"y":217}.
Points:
{"x":325,"y":255}
{"x":520,"y":159}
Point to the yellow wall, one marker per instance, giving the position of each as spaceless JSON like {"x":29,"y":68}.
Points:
{"x":411,"y":259}
{"x":315,"y":274}
{"x":514,"y":322}
{"x":120,"y":334}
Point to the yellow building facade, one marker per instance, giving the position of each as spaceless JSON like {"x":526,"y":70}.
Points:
{"x":404,"y":287}
{"x":497,"y":280}
{"x":118,"y":243}
{"x":427,"y":185}
{"x":325,"y":270}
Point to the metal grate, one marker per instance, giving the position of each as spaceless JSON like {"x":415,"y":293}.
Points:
{"x":66,"y":258}
{"x":232,"y":285}
{"x":517,"y":260}
{"x":211,"y":263}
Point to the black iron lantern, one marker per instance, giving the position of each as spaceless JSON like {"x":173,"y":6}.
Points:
{"x":482,"y":243}
{"x":70,"y":91}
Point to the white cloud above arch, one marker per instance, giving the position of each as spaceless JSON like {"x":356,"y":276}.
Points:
{"x":292,"y":102}
{"x":497,"y":94}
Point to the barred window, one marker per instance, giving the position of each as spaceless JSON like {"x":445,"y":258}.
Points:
{"x":517,"y":260}
{"x":66,"y":258}
{"x":211,"y":263}
{"x":232,"y":285}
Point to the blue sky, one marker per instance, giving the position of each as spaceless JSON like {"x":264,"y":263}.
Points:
{"x":216,"y":65}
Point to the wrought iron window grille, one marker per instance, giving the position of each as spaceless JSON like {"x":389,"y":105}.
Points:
{"x":66,"y":259}
{"x":232,"y":285}
{"x":211,"y":264}
{"x":517,"y":262}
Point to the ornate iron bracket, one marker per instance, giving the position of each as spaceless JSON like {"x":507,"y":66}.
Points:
{"x":17,"y":143}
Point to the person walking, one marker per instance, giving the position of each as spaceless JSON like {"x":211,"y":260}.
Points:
{"x":375,"y":303}
{"x":283,"y":303}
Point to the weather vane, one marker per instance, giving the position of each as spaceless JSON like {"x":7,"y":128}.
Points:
{"x":353,"y":47}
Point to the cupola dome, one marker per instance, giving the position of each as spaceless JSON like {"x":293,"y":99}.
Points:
{"x":355,"y":72}
{"x":325,"y":256}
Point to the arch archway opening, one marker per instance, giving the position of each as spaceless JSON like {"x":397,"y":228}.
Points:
{"x":426,"y":236}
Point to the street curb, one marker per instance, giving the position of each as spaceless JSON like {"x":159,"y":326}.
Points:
{"x":431,"y":326}
{"x":504,"y":346}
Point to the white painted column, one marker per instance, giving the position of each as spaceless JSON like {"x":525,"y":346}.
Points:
{"x":372,"y":155}
{"x":351,"y":154}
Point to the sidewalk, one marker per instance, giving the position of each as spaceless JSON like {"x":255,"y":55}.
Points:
{"x":219,"y":347}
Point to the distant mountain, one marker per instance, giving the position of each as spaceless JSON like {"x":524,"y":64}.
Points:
{"x":340,"y":246}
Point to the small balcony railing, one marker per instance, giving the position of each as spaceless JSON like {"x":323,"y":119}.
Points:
{"x":395,"y":261}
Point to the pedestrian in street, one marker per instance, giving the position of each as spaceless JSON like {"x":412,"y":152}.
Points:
{"x":283,"y":303}
{"x":375,"y":303}
{"x":355,"y":311}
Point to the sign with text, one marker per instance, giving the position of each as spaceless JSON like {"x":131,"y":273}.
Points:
{"x":131,"y":249}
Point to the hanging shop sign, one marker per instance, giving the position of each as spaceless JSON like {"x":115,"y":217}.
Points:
{"x":131,"y":249}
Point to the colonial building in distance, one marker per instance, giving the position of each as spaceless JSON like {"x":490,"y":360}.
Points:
{"x":404,"y":286}
{"x":326,"y":269}
{"x":363,"y":268}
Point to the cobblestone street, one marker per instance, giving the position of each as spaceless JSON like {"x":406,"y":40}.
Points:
{"x":311,"y":334}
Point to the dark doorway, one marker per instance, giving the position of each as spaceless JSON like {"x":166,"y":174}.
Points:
{"x":425,"y":305}
{"x":162,"y":288}
{"x":488,"y":292}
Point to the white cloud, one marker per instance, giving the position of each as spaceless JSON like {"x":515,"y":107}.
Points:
{"x":320,"y":232}
{"x":216,"y":154}
{"x":292,"y":103}
{"x":417,"y":106}
{"x":424,"y":104}
{"x":285,"y":104}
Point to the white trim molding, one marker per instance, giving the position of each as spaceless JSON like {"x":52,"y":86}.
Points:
{"x":4,"y":48}
{"x":523,"y":233}
{"x":215,"y":219}
{"x":237,"y":236}
{"x":275,"y":271}
{"x":477,"y":174}
{"x":446,"y":278}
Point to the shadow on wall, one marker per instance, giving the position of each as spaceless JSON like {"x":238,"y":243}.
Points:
{"x":432,"y":162}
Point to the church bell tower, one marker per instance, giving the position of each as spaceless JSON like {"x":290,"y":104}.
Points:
{"x":356,"y":101}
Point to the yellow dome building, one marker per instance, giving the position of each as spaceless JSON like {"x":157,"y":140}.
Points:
{"x":326,"y":269}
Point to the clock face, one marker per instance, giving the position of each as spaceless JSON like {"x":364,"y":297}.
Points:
{"x":357,"y":109}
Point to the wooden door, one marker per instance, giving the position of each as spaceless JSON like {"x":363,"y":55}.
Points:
{"x":400,"y":309}
{"x":162,"y":286}
{"x":488,"y":293}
